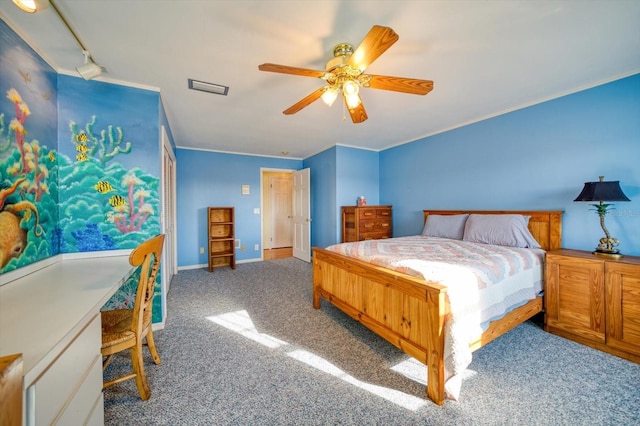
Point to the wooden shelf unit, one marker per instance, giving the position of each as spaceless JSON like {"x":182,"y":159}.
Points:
{"x":366,"y":223}
{"x":594,"y":301}
{"x":221,"y":237}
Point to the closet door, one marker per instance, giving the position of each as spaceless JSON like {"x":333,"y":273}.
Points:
{"x":302,"y":215}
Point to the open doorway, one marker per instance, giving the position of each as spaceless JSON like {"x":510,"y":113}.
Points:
{"x":277,"y":214}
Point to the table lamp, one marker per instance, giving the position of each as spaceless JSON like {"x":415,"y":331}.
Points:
{"x":603,"y":192}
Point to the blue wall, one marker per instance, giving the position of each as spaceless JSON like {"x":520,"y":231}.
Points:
{"x":215,"y":179}
{"x":357,"y":173}
{"x":324,"y":225}
{"x":534,"y":158}
{"x":339,"y":176}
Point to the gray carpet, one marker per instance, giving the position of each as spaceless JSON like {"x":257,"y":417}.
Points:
{"x":246,"y":347}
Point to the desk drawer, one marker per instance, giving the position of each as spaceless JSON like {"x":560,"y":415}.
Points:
{"x":81,"y":406}
{"x":55,"y":389}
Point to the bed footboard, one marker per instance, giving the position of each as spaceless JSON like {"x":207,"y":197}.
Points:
{"x":406,"y":311}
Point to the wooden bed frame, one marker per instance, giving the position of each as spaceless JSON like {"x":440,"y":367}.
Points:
{"x":410,"y":312}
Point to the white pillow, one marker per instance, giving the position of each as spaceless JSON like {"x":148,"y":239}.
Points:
{"x":445,"y":226}
{"x":499,"y":229}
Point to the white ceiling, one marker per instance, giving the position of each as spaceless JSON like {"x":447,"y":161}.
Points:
{"x":485,"y":58}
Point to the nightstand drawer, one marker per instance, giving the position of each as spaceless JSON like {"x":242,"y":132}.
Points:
{"x":623,"y":306}
{"x":575,"y":297}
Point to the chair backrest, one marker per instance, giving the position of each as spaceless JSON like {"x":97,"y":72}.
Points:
{"x":148,"y":255}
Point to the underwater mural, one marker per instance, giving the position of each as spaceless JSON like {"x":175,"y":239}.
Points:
{"x":104,"y":205}
{"x":79,"y":165}
{"x":28,"y":155}
{"x":25,"y":190}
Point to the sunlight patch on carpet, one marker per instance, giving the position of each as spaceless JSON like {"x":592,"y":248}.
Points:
{"x":414,"y":370}
{"x":400,"y":398}
{"x":240,"y":322}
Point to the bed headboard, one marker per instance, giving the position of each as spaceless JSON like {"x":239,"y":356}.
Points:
{"x":545,"y":226}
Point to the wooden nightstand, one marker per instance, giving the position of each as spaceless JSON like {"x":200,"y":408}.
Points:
{"x":594,"y":301}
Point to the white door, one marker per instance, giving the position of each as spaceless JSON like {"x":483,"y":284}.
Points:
{"x":169,"y":261}
{"x":281,"y":211}
{"x":302,"y":215}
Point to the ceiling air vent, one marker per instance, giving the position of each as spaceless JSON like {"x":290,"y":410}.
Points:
{"x":203,"y":86}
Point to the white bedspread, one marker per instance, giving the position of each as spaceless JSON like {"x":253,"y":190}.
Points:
{"x":483,"y":283}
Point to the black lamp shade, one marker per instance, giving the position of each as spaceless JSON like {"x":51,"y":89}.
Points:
{"x":602,"y":191}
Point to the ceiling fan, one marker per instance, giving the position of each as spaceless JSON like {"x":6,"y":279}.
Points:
{"x":345,"y":74}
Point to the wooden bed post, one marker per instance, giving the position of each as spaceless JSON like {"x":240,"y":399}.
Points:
{"x":317,"y":279}
{"x":436,"y":312}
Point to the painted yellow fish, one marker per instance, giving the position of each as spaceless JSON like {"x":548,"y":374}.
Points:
{"x":52,"y":156}
{"x":103,"y":187}
{"x":82,"y":148}
{"x":82,"y":137}
{"x":82,"y":157}
{"x":117,"y":201}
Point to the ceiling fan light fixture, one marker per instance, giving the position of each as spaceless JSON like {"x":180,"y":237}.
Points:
{"x":352,"y":100}
{"x":329,"y":96}
{"x":350,"y":88}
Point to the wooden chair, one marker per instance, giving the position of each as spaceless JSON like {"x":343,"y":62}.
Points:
{"x":124,"y":329}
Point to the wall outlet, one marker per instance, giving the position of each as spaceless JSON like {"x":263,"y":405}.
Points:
{"x":256,"y":247}
{"x":201,"y":250}
{"x":243,"y":248}
{"x":237,"y":243}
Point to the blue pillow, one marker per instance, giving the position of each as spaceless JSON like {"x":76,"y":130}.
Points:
{"x":500,"y":229}
{"x":445,"y":226}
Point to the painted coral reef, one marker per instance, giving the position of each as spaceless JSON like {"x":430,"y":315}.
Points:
{"x":26,"y":169}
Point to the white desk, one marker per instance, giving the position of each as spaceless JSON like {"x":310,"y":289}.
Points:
{"x":52,"y":317}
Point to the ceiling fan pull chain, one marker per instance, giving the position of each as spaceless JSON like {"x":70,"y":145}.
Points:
{"x":344,"y":117}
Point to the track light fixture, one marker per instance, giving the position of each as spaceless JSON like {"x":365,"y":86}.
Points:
{"x":89,"y":69}
{"x":31,"y":6}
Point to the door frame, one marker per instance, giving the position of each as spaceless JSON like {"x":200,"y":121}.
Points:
{"x":170,"y":255}
{"x":263,"y":171}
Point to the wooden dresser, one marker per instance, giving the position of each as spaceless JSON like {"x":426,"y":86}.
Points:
{"x":594,"y":301}
{"x":366,"y":223}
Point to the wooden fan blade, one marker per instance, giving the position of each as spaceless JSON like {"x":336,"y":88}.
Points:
{"x":358,"y":114}
{"x":401,"y":84}
{"x":304,"y":102}
{"x":374,"y":44}
{"x":284,"y":69}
